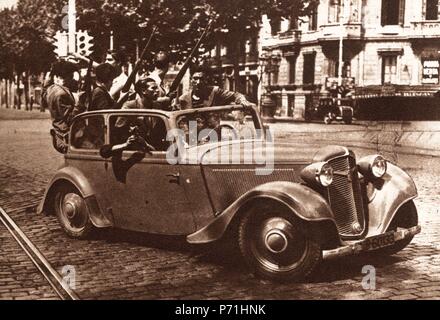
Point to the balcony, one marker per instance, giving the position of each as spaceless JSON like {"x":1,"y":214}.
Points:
{"x":425,"y":29}
{"x":283,"y":39}
{"x":331,"y":32}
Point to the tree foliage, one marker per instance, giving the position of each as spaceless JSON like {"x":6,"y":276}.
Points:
{"x":26,"y":31}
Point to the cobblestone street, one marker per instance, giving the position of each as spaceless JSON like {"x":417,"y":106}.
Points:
{"x":125,"y":265}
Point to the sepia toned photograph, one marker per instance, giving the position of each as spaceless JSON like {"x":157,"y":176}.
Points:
{"x":207,"y":150}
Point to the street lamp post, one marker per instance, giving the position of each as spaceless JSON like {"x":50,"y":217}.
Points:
{"x":269,"y":64}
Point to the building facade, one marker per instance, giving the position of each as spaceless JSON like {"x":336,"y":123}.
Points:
{"x":235,"y":66}
{"x":389,"y":47}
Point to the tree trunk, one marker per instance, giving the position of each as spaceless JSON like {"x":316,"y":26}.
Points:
{"x":26,"y":91}
{"x":18,"y":92}
{"x":7,"y":91}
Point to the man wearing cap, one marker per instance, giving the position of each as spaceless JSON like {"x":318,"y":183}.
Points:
{"x":61,"y":103}
{"x":101,"y":98}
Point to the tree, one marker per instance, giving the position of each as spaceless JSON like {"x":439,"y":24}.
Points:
{"x":180,"y":25}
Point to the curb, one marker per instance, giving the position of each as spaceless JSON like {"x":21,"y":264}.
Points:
{"x":413,"y":138}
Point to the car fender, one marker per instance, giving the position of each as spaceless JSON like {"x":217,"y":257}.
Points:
{"x":306,"y":204}
{"x":392,"y":191}
{"x":76,"y":178}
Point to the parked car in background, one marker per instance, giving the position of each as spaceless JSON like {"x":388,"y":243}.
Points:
{"x":332,"y":109}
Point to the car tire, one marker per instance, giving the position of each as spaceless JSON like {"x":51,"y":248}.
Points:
{"x":273,"y":246}
{"x":327,"y":120}
{"x":406,"y":217}
{"x":72,"y":212}
{"x":348,"y":120}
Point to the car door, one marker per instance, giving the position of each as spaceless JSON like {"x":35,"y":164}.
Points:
{"x":88,"y":134}
{"x":148,"y":194}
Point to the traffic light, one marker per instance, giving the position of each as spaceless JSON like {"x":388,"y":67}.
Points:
{"x":61,"y":44}
{"x":84,"y":43}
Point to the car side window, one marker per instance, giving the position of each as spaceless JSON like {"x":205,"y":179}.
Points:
{"x":88,"y":133}
{"x":150,"y":128}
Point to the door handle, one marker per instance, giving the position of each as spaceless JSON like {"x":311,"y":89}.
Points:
{"x":175,"y":178}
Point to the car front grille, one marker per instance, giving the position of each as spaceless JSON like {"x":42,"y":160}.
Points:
{"x":345,"y":197}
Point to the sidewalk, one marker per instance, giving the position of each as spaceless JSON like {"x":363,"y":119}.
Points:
{"x":14,"y":114}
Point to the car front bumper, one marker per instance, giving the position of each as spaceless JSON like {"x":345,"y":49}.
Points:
{"x":357,"y":247}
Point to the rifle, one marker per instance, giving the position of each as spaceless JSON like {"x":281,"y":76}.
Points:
{"x":182,"y":71}
{"x":132,"y":77}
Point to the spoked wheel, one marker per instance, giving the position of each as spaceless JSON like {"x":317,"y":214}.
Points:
{"x":72,"y":212}
{"x":274,"y":247}
{"x":406,"y":217}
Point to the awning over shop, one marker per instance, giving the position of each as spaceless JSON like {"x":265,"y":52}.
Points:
{"x":370,"y":92}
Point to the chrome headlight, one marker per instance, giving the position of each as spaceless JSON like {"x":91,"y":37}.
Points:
{"x":373,"y":166}
{"x":379,"y":167}
{"x":320,"y":173}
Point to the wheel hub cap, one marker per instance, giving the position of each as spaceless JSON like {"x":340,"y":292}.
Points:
{"x":276,"y":241}
{"x":70,"y":210}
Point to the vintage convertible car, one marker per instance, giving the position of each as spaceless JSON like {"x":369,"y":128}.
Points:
{"x":286,"y":210}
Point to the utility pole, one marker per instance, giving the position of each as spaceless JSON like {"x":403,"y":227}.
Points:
{"x":341,"y":43}
{"x":72,"y":26}
{"x":343,"y":19}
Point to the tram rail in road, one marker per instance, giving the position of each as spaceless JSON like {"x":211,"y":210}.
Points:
{"x":60,"y":287}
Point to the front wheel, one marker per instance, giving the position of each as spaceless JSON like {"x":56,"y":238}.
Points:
{"x":348,"y":120}
{"x":327,"y":120}
{"x":274,"y":247}
{"x":72,"y":212}
{"x":406,"y":217}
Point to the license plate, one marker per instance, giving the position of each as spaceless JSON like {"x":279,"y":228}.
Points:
{"x":378,"y":242}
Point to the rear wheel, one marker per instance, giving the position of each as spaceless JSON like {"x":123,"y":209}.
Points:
{"x":406,"y":217}
{"x":274,"y":247}
{"x":72,"y":212}
{"x":327,"y":120}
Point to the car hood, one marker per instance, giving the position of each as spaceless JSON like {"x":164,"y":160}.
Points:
{"x":248,"y":152}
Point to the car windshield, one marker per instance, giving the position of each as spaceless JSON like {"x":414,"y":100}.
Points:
{"x":209,"y":126}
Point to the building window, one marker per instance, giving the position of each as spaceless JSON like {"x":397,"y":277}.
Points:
{"x":354,"y":11}
{"x":389,"y":69}
{"x":333,"y":69}
{"x":292,"y":69}
{"x":431,"y":10}
{"x":393,"y":12}
{"x":313,"y":20}
{"x":334,"y":11}
{"x":275,"y":26}
{"x":309,"y":68}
